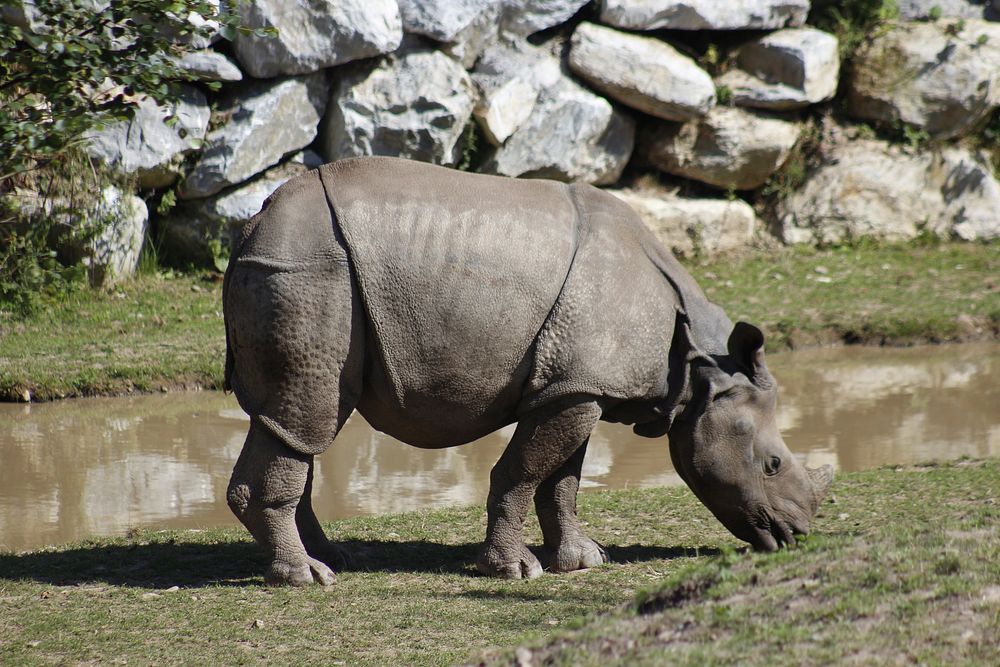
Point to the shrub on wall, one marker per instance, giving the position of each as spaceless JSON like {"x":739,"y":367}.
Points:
{"x":66,"y":67}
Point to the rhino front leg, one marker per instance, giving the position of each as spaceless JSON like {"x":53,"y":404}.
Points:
{"x":267,"y":485}
{"x":543,"y":442}
{"x":555,"y":503}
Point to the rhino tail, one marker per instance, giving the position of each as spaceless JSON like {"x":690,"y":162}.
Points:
{"x":227,"y":382}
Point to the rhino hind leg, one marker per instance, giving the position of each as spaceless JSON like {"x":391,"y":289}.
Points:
{"x":311,"y":532}
{"x":298,"y":345}
{"x":545,"y":441}
{"x":264,"y":493}
{"x":567,"y":548}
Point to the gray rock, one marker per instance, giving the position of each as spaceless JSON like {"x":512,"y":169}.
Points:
{"x":119,"y":218}
{"x":690,"y":227}
{"x":207,"y":28}
{"x":508,"y":79}
{"x":642,"y":72}
{"x":26,"y":15}
{"x":146,"y":146}
{"x":209,"y":65}
{"x":570,"y":133}
{"x":501,"y":110}
{"x":443,"y":20}
{"x":414,"y":105}
{"x":932,"y":75}
{"x":971,"y":194}
{"x":263,"y":122}
{"x":526,"y":17}
{"x":729,"y":148}
{"x":876,"y":190}
{"x":22,"y":13}
{"x":308,"y":158}
{"x":202,"y":231}
{"x":114,"y":253}
{"x":314,"y":34}
{"x":469,"y":44}
{"x":915,"y":10}
{"x":704,"y":14}
{"x":464,"y":27}
{"x":787,"y":69}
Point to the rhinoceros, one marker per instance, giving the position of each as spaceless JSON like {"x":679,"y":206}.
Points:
{"x":445,"y":305}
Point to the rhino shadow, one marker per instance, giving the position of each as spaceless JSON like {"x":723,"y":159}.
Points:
{"x":161,"y":565}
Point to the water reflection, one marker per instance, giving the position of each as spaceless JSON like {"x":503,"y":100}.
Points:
{"x":99,"y":466}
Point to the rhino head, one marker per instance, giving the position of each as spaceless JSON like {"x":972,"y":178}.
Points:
{"x":725,"y":444}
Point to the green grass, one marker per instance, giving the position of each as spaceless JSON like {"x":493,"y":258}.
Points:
{"x":886,"y":577}
{"x":157,"y":331}
{"x":166,"y":330}
{"x":872,"y":294}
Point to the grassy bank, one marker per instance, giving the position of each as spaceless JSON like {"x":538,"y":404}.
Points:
{"x":151,"y":333}
{"x":165,"y":331}
{"x":887,"y":577}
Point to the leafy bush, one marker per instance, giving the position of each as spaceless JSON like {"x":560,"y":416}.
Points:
{"x":72,"y":68}
{"x":66,"y":67}
{"x":46,"y":218}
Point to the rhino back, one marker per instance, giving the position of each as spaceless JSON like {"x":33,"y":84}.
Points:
{"x":458,"y":273}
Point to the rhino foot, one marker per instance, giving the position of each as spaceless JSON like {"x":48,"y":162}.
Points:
{"x":521,"y":564}
{"x":577,"y":554}
{"x":332,"y":554}
{"x":299,"y":574}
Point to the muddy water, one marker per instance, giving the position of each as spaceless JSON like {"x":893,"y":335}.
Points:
{"x":77,"y":468}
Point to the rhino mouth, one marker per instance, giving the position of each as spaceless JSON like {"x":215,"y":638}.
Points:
{"x":775,"y":533}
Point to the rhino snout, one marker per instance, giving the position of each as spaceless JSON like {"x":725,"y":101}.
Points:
{"x":778,"y":533}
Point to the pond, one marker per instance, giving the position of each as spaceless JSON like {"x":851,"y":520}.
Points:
{"x":83,"y":467}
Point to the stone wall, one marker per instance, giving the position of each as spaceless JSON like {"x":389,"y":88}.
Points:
{"x":602,"y":92}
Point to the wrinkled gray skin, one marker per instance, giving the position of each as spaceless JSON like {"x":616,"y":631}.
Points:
{"x":443,"y":306}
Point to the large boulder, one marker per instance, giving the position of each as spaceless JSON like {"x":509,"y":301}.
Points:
{"x":691,"y":227}
{"x":209,"y":65}
{"x":642,"y":72}
{"x":201,"y":231}
{"x":443,"y":20}
{"x":787,"y":69}
{"x":146,"y":146}
{"x":526,"y":17}
{"x":202,"y":31}
{"x":873,"y":189}
{"x":314,"y":34}
{"x":464,"y":27}
{"x":916,"y":10}
{"x":22,"y":13}
{"x":704,"y":14}
{"x":729,"y":148}
{"x":503,"y":105}
{"x":113,"y":254}
{"x":103,"y":230}
{"x":941,"y":76}
{"x":413,"y":105}
{"x":259,"y":125}
{"x":469,"y":44}
{"x":570,"y":134}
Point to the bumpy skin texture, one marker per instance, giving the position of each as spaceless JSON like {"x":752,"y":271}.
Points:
{"x":445,"y":305}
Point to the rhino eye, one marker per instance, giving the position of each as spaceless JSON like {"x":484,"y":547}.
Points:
{"x":772,"y":465}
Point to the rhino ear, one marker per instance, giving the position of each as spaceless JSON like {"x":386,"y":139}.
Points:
{"x":746,"y":347}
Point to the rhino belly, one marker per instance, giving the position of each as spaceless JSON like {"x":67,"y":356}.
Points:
{"x":458,"y":274}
